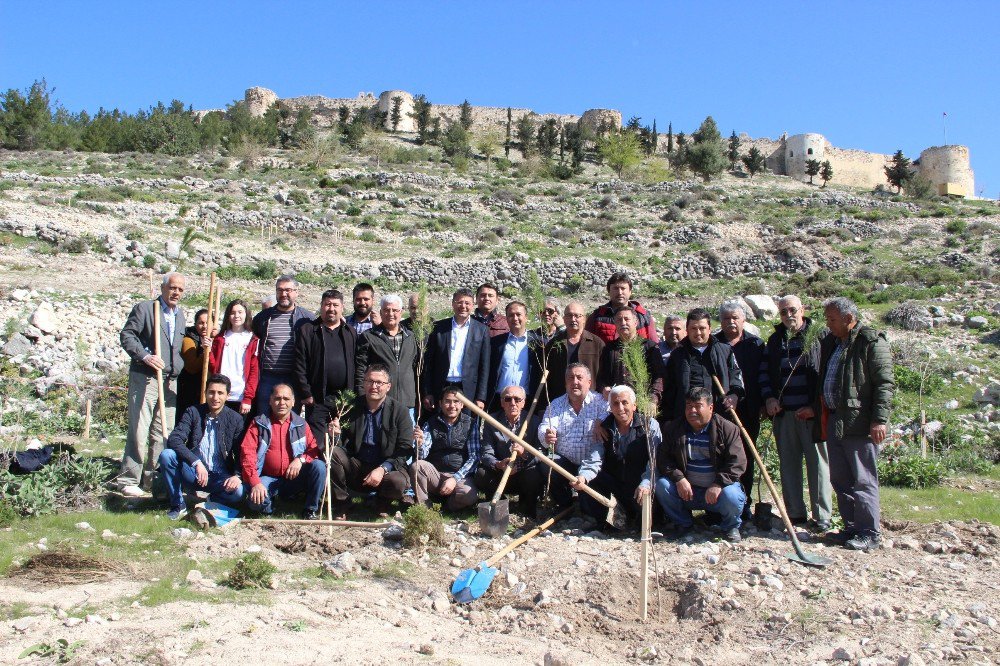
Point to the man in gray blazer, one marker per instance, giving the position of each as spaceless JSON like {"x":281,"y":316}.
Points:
{"x":145,"y":440}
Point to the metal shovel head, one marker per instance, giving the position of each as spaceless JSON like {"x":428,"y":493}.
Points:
{"x":472,"y":583}
{"x":494,"y":518}
{"x":809,"y":559}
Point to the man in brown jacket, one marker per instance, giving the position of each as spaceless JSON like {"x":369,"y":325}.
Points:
{"x":573,"y":345}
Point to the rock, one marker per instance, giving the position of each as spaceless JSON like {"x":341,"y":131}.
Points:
{"x":912,"y":659}
{"x":773,"y":582}
{"x":468,"y":552}
{"x":73,"y":621}
{"x":193,"y":577}
{"x":557,"y":660}
{"x":181,"y":532}
{"x":96,"y":619}
{"x":393,"y":533}
{"x":172,"y":250}
{"x":567,"y":628}
{"x":83,"y":526}
{"x":977,"y":322}
{"x":20,"y":295}
{"x":440,"y":603}
{"x":951,"y":404}
{"x":21,"y":625}
{"x":841,"y":654}
{"x":763,"y":306}
{"x":341,"y":565}
{"x":511,"y":579}
{"x":16,"y":345}
{"x":543,"y":598}
{"x":426,"y":648}
{"x":910,"y":316}
{"x":253,"y":549}
{"x":108,"y":534}
{"x":934,"y":547}
{"x":44,"y":319}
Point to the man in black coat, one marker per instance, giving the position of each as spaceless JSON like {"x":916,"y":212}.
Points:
{"x":202,"y":451}
{"x":458,"y":354}
{"x":515,"y":356}
{"x":324,"y":361}
{"x":375,"y":448}
{"x":395,"y":347}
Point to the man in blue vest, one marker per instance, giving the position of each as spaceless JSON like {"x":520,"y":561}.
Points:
{"x":280,"y":457}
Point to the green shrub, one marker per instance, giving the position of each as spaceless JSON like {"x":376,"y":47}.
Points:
{"x":353,"y":211}
{"x":262,"y":270}
{"x":422,"y":526}
{"x":909,"y":470}
{"x":251,"y":571}
{"x":909,"y":380}
{"x":298,"y":197}
{"x":149,"y":261}
{"x":956,"y":226}
{"x":110,"y":406}
{"x":8,"y":513}
{"x":575,"y":284}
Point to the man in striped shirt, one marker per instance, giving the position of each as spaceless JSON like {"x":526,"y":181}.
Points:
{"x":789,"y":392}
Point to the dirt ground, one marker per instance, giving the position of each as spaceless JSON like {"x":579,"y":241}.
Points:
{"x":929,"y":596}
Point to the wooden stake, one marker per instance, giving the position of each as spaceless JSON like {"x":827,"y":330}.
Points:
{"x":205,"y":356}
{"x":152,"y":288}
{"x":647,"y":520}
{"x":86,"y":421}
{"x":318,"y":523}
{"x":923,"y":433}
{"x":329,"y":494}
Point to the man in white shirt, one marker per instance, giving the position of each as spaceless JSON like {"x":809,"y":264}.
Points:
{"x":458,"y":354}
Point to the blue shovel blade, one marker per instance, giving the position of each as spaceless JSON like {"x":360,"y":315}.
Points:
{"x":472,"y":583}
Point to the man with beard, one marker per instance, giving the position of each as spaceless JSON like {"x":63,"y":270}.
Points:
{"x":277,"y":328}
{"x":363,"y":318}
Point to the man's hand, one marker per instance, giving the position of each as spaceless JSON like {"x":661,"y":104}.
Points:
{"x":258,"y":494}
{"x":418,"y":436}
{"x":206,"y":341}
{"x":773,"y":406}
{"x":334,"y":428}
{"x":500,"y":465}
{"x":232,"y":483}
{"x":877,"y":433}
{"x":684,"y":490}
{"x":244,"y":408}
{"x":481,"y":404}
{"x":309,"y":401}
{"x":712,"y":494}
{"x":293,"y":470}
{"x":374,"y":478}
{"x":600,"y":434}
{"x":578,"y":484}
{"x":201,"y":474}
{"x":550,"y":437}
{"x":154,"y":361}
{"x":515,"y":447}
{"x":428,"y":402}
{"x":729,"y":402}
{"x":804,"y":413}
{"x":447,"y":486}
{"x":640,"y":492}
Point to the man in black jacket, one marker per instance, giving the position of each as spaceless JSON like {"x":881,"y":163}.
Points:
{"x":458,"y":354}
{"x":324,"y":361}
{"x":613,"y":371}
{"x":526,"y":479}
{"x":202,"y":451}
{"x":395,"y":347}
{"x":375,"y":448}
{"x":278,"y":329}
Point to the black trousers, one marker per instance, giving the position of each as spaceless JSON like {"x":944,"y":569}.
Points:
{"x":318,"y":417}
{"x":527,"y":484}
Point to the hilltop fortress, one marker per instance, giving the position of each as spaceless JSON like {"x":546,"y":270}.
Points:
{"x":946,"y":167}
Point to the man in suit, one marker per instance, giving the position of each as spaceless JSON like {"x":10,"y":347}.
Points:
{"x":458,"y":354}
{"x":573,"y":345}
{"x":144,"y":440}
{"x":515,"y":356}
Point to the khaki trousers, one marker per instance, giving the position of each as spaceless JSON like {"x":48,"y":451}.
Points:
{"x":144,"y":441}
{"x":795,"y":441}
{"x":426,"y":480}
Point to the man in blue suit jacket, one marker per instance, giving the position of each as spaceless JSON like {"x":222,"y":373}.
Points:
{"x":458,"y":354}
{"x":515,"y":357}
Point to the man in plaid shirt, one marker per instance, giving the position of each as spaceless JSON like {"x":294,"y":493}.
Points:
{"x":568,"y":429}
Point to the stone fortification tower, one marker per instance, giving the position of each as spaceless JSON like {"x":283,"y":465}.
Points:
{"x":406,"y":121}
{"x":801,"y":148}
{"x":594,"y":118}
{"x":259,"y":100}
{"x":948,"y":168}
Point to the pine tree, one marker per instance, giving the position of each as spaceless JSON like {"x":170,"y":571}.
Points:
{"x":670,"y":137}
{"x":655,"y":137}
{"x":421,"y":114}
{"x":525,"y":127}
{"x":506,"y":143}
{"x":455,"y":142}
{"x":812,"y":169}
{"x":575,"y":146}
{"x":753,"y":161}
{"x":826,"y":173}
{"x":734,"y":151}
{"x":707,"y":157}
{"x":465,"y":115}
{"x":343,"y":118}
{"x":548,"y":135}
{"x":396,"y":115}
{"x":898,"y":172}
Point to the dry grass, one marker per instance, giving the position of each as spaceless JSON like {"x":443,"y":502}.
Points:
{"x":67,"y":568}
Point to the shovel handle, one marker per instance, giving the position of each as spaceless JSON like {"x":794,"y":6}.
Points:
{"x":778,"y":500}
{"x":474,"y":408}
{"x":524,"y":428}
{"x":533,"y":533}
{"x":332,"y":523}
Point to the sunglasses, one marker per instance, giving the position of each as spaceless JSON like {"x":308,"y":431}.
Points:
{"x":513,"y":398}
{"x":788,"y":311}
{"x":549,"y":311}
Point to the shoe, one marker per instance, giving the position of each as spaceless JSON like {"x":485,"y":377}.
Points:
{"x":134,"y":491}
{"x":819,"y":526}
{"x":799,"y":521}
{"x":862,"y":542}
{"x":176,"y":514}
{"x":677,"y":533}
{"x":309,"y":514}
{"x":840,"y":537}
{"x":733,"y":535}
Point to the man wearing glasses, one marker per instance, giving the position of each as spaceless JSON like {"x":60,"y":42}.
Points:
{"x":573,"y":345}
{"x":376,"y":442}
{"x":277,"y":328}
{"x":789,"y":394}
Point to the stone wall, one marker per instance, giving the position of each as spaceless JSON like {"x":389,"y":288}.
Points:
{"x":947,"y":164}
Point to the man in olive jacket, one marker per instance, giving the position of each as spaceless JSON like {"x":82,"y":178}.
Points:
{"x":856,"y":394}
{"x":393,"y":346}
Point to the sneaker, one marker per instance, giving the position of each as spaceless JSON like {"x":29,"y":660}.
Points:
{"x":309,"y":514}
{"x":840,"y":537}
{"x":134,"y":491}
{"x":176,"y":514}
{"x":862,"y":542}
{"x":733,"y":535}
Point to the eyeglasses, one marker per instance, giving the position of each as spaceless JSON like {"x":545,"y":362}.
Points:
{"x":788,"y":311}
{"x":549,"y":311}
{"x":286,"y":291}
{"x":375,"y":383}
{"x":513,"y":398}
{"x":574,"y":315}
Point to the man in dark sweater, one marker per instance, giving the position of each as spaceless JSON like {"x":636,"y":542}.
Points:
{"x":277,"y":328}
{"x":394,"y":346}
{"x":324,"y":361}
{"x":526,"y":478}
{"x":203,"y":451}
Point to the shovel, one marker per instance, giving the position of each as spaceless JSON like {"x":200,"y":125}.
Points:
{"x":494,"y":516}
{"x":616,"y":515}
{"x":473,"y":583}
{"x":799,"y":555}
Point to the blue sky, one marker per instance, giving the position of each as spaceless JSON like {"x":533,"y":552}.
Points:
{"x":870,"y":75}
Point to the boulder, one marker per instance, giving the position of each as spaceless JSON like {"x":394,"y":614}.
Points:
{"x":172,"y":250}
{"x":763,"y":306}
{"x":17,"y":345}
{"x":977,"y":322}
{"x":910,"y":316}
{"x":44,"y":319}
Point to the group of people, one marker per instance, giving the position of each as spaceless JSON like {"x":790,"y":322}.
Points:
{"x":290,"y":393}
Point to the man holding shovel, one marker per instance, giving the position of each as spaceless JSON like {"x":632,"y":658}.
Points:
{"x":526,"y":477}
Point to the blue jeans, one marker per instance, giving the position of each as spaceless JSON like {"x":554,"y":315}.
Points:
{"x":729,"y":505}
{"x":179,"y":475}
{"x":311,"y":481}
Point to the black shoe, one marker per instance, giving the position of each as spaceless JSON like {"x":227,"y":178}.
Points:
{"x":677,"y":533}
{"x":840,"y":537}
{"x":819,"y":526}
{"x":862,"y":542}
{"x":309,"y":514}
{"x":799,"y":521}
{"x":733,"y":535}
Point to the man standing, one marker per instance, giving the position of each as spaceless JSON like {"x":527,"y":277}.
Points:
{"x":692,"y":364}
{"x":363,"y":318}
{"x":552,"y":321}
{"x":279,"y":456}
{"x":673,"y":332}
{"x":613,"y":371}
{"x":392,"y":346}
{"x":375,"y":448}
{"x":790,"y":392}
{"x":144,"y":440}
{"x":574,"y":345}
{"x":856,"y":369}
{"x":601,"y":321}
{"x":458,"y":354}
{"x":277,"y":328}
{"x":487,"y":311}
{"x":515,"y":356}
{"x":324,"y":361}
{"x":449,"y":454}
{"x":203,"y":451}
{"x":568,"y":429}
{"x":526,"y":477}
{"x":699,"y":464}
{"x":749,"y":352}
{"x":413,"y":308}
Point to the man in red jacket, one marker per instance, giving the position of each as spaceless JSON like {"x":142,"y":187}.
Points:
{"x":602,"y":321}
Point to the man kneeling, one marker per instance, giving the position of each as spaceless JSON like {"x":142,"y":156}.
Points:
{"x":376,"y":446}
{"x":526,"y":479}
{"x":202,"y":451}
{"x":280,"y":457}
{"x":699,"y":465}
{"x":449,"y":455}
